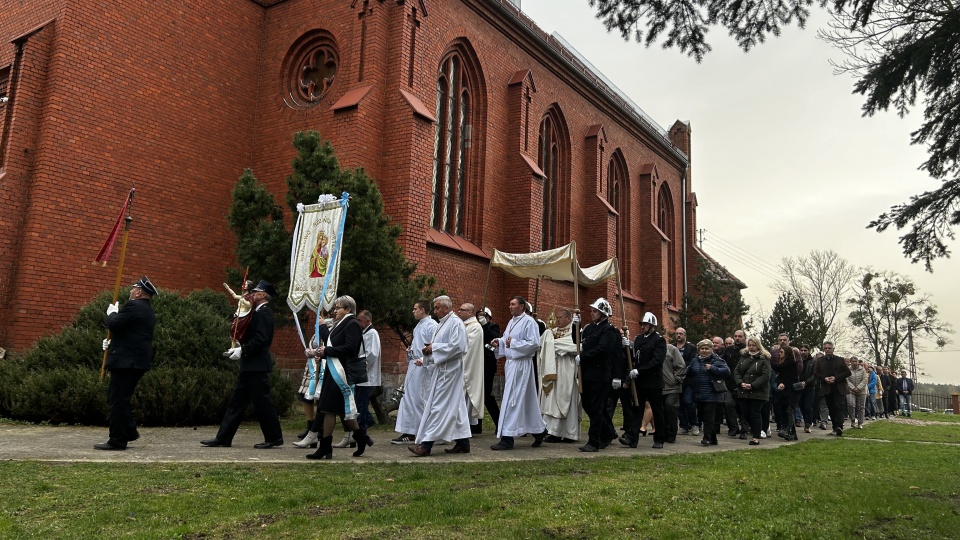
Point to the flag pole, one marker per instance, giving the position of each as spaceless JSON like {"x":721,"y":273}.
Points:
{"x":116,"y":284}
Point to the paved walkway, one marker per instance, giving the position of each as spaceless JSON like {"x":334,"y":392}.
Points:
{"x":158,"y":445}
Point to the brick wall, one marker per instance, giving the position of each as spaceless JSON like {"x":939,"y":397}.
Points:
{"x":179,"y":99}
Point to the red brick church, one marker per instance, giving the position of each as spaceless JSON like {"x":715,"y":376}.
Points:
{"x":482,"y":131}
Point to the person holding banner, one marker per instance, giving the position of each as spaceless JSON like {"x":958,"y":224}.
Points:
{"x":253,"y":381}
{"x":129,"y":352}
{"x":343,"y":367}
{"x":307,"y":393}
{"x":520,"y":412}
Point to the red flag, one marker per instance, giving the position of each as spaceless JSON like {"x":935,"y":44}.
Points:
{"x":108,"y":245}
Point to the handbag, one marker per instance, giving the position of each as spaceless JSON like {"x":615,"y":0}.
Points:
{"x":718,"y":386}
{"x":799,"y":386}
{"x":356,"y":371}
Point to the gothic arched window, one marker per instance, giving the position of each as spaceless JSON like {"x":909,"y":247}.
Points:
{"x":667,"y":224}
{"x":618,"y":196}
{"x":552,"y":158}
{"x":451,"y":146}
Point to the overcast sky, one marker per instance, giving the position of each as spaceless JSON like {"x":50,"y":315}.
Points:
{"x":783,"y":163}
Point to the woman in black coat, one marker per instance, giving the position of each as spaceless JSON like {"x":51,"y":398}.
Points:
{"x":703,"y":370}
{"x":788,"y":368}
{"x":337,"y":395}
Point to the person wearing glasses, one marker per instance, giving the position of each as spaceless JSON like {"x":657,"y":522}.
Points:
{"x":253,"y":381}
{"x":340,"y":356}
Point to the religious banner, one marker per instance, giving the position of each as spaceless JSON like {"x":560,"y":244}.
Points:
{"x":315,"y":255}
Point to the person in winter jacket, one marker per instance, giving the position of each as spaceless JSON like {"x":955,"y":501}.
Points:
{"x":753,"y":384}
{"x":704,"y":370}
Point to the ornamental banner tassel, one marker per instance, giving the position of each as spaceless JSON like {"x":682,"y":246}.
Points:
{"x":315,"y":255}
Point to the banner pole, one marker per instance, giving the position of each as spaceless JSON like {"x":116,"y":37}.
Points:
{"x":626,"y":332}
{"x":116,"y":284}
{"x":576,"y":311}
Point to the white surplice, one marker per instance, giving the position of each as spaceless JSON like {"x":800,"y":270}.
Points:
{"x":473,"y":369}
{"x":559,"y":396}
{"x":445,"y":415}
{"x":520,"y":408}
{"x":414,"y":386}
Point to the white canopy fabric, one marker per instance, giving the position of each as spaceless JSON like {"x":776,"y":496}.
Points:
{"x":556,"y":264}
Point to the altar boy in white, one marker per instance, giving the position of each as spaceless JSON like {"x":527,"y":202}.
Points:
{"x":414,"y":386}
{"x":520,"y":408}
{"x":445,"y":407}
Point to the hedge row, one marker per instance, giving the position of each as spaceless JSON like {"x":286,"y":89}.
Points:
{"x":58,"y":379}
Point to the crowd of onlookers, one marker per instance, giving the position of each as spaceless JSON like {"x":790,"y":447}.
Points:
{"x":800,"y":387}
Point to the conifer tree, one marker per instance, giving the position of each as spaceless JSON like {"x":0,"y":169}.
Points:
{"x":713,"y":307}
{"x":263,"y":243}
{"x":791,"y":316}
{"x":373,"y":268}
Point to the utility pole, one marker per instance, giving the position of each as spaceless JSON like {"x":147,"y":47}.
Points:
{"x":912,"y":368}
{"x":700,"y":234}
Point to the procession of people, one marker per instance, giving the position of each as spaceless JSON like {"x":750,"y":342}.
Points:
{"x":552,"y":377}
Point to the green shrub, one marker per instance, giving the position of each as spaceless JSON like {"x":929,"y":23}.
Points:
{"x":189,"y":383}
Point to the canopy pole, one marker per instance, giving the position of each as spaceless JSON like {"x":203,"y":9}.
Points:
{"x":576,"y":310}
{"x":626,"y":333}
{"x":486,"y":284}
{"x":536,"y":296}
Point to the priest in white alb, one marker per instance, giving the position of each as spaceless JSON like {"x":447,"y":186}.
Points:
{"x":559,"y":396}
{"x":520,"y":408}
{"x":473,"y":366}
{"x":414,"y":385}
{"x":445,"y":406}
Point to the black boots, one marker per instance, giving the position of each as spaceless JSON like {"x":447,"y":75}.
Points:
{"x":324,"y":449}
{"x":363,"y":441}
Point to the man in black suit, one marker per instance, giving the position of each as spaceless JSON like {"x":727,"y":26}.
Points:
{"x":832,"y":372}
{"x":253,"y":381}
{"x":129,"y":351}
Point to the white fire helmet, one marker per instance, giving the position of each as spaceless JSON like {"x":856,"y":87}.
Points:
{"x":602,"y":306}
{"x":649,"y":318}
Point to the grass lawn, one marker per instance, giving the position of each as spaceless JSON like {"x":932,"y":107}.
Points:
{"x":841,"y":488}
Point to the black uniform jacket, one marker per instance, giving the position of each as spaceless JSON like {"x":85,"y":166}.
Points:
{"x":600,"y":352}
{"x":131,"y":336}
{"x":649,"y":351}
{"x":255,"y":346}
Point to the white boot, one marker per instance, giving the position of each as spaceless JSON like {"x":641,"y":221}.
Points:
{"x":346,"y":442}
{"x":308,"y":441}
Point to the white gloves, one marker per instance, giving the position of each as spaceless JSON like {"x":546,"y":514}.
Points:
{"x":106,"y":344}
{"x":310,"y":352}
{"x":617,"y":384}
{"x":577,"y":359}
{"x":232,"y":354}
{"x":626,"y":341}
{"x":113,"y":308}
{"x":576,"y":318}
{"x":634,"y":373}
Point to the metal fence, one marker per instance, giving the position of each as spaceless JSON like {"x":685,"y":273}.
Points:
{"x":931,"y":403}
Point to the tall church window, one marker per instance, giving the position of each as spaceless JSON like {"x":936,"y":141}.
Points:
{"x":619,"y":198}
{"x":451,"y":145}
{"x":552,"y":159}
{"x":667,"y":224}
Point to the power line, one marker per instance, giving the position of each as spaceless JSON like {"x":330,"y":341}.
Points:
{"x":735,"y":257}
{"x":759,"y":260}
